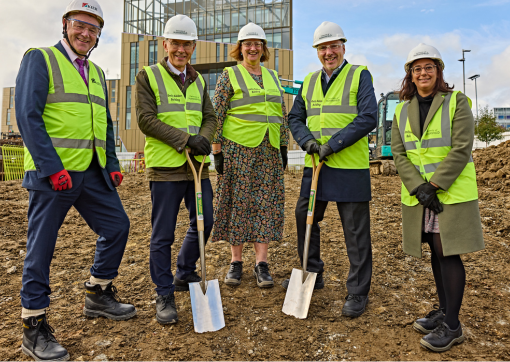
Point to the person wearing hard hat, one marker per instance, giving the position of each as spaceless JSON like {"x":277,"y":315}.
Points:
{"x":431,"y":141}
{"x":70,"y":160}
{"x":250,"y":155}
{"x":175,"y":113}
{"x":331,"y":117}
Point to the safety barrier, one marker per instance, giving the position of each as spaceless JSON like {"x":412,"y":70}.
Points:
{"x":135,"y":165}
{"x":12,"y":162}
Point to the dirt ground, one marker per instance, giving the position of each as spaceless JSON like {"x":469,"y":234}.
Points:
{"x":256,"y":329}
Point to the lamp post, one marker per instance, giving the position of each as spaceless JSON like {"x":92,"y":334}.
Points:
{"x":473,"y":77}
{"x":463,"y":70}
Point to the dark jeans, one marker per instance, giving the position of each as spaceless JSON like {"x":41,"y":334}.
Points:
{"x":355,"y":217}
{"x":102,"y":210}
{"x":166,"y":199}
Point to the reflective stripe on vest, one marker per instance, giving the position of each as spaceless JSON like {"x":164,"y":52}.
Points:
{"x":325,"y":118}
{"x":73,"y":106}
{"x":183,"y":113}
{"x":424,"y":153}
{"x":254,"y":110}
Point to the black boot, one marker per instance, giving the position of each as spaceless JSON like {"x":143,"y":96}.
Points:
{"x":261,"y":273}
{"x":442,"y":338}
{"x":39,"y":341}
{"x":166,"y":312}
{"x":430,"y":322}
{"x":354,"y":305}
{"x":319,"y":282}
{"x":182,"y":285}
{"x":106,"y":303}
{"x":234,"y":273}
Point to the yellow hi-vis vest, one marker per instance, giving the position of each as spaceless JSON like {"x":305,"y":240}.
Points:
{"x":252,"y":109}
{"x":427,"y":153}
{"x":74,"y":115}
{"x":330,"y":113}
{"x":176,"y":111}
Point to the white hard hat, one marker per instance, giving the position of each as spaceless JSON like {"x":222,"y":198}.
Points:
{"x":91,"y":7}
{"x":423,"y":51}
{"x":251,"y":31}
{"x":180,"y":27}
{"x":328,"y":31}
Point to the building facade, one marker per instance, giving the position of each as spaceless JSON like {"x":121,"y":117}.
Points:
{"x":503,"y":116}
{"x":8,"y":124}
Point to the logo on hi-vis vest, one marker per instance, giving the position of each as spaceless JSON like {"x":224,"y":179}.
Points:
{"x":332,"y":100}
{"x":316,"y":102}
{"x":254,"y":90}
{"x":87,"y":6}
{"x":408,"y":134}
{"x":431,"y":132}
{"x":93,"y":80}
{"x":174,"y":97}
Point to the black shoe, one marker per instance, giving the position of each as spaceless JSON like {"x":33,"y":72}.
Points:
{"x":442,"y":338}
{"x":354,"y":305}
{"x":234,"y":273}
{"x":261,"y":273}
{"x":430,"y":322}
{"x":39,"y":341}
{"x":182,"y":285}
{"x":106,"y":303}
{"x":319,"y":282}
{"x":166,"y":312}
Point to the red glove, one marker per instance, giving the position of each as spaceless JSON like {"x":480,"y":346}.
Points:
{"x":61,"y":181}
{"x":116,"y":178}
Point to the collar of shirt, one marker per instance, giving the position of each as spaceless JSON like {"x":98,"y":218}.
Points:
{"x":327,"y":77}
{"x":72,"y":55}
{"x":175,"y":70}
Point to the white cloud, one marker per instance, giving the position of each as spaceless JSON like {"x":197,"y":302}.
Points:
{"x":426,"y":11}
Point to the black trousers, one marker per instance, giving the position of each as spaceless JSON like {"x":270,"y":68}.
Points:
{"x":355,"y":217}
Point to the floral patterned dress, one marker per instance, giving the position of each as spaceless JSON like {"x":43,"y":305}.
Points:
{"x":250,"y":195}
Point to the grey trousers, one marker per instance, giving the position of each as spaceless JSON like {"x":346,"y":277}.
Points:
{"x":355,"y":217}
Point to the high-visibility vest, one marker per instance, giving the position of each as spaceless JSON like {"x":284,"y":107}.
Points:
{"x":254,"y":110}
{"x":75,"y":114}
{"x":184,"y":113}
{"x":330,"y":113}
{"x":427,"y":153}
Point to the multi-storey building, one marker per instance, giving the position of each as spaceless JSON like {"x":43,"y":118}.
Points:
{"x":503,"y":116}
{"x":8,"y":124}
{"x":218,"y":23}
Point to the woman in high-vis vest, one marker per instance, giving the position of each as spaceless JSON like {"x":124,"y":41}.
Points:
{"x":432,"y":139}
{"x":250,"y":155}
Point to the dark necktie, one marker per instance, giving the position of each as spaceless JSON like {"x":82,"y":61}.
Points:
{"x":182,"y":77}
{"x":81,"y":65}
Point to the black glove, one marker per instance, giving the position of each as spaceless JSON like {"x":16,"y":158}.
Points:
{"x":199,"y":145}
{"x":285,"y":158}
{"x":426,"y":194}
{"x":311,"y":147}
{"x":218,"y":163}
{"x":324,"y":151}
{"x":435,"y":205}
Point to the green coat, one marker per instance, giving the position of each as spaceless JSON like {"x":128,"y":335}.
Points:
{"x":460,"y":225}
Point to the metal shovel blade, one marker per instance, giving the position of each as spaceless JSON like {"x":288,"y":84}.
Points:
{"x":299,"y":294}
{"x":207,"y":308}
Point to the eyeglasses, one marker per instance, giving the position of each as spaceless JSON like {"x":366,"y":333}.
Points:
{"x":428,"y":68}
{"x":187,"y":46}
{"x":333,"y":47}
{"x":249,"y":44}
{"x":81,"y":26}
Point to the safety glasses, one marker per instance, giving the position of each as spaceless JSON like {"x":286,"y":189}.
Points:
{"x":80,"y":26}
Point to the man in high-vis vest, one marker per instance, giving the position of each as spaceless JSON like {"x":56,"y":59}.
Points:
{"x":62,"y":112}
{"x":331,"y":117}
{"x":175,"y":112}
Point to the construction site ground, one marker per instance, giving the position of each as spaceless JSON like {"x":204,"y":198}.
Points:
{"x":256,"y":329}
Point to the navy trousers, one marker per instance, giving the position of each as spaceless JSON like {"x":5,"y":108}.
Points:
{"x":166,"y":198}
{"x":102,"y":210}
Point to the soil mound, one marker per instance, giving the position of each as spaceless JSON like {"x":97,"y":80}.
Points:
{"x":493,"y":166}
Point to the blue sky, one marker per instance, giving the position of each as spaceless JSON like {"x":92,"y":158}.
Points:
{"x":380,"y":34}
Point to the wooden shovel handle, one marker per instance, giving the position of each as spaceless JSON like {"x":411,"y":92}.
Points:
{"x":198,"y":185}
{"x":313,"y":188}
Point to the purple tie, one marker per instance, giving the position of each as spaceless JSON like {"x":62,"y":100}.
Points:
{"x":182,"y":77}
{"x":81,"y":64}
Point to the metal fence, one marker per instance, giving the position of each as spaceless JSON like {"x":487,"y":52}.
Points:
{"x":12,"y":163}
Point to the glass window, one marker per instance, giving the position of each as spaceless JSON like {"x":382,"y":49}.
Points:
{"x":242,"y":18}
{"x":226,"y":38}
{"x":277,"y":39}
{"x":285,"y":15}
{"x":251,"y":14}
{"x":225,"y":52}
{"x":269,"y":15}
{"x":286,"y":39}
{"x":210,"y":23}
{"x":276,"y":61}
{"x":233,"y":39}
{"x":140,"y":37}
{"x":128,"y":107}
{"x":118,"y":111}
{"x":112,"y":82}
{"x":194,"y":57}
{"x":234,"y":25}
{"x":226,"y":21}
{"x":153,"y":52}
{"x":11,"y":99}
{"x":259,"y":16}
{"x":8,"y":117}
{"x":269,"y":38}
{"x":277,"y":14}
{"x":219,"y":22}
{"x":218,"y":52}
{"x":133,"y":63}
{"x":112,"y":97}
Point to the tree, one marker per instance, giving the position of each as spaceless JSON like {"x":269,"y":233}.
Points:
{"x":486,"y":127}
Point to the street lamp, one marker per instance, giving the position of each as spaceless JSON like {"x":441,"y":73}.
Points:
{"x":473,"y":77}
{"x":463,"y":71}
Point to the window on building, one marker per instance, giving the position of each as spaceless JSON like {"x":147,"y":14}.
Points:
{"x":8,"y":117}
{"x":276,"y":61}
{"x":118,"y":111}
{"x":225,"y":52}
{"x":112,"y":88}
{"x":194,"y":57}
{"x":11,"y":98}
{"x":133,"y":62}
{"x":217,"y":52}
{"x":140,"y":37}
{"x":128,"y":107}
{"x":153,"y":52}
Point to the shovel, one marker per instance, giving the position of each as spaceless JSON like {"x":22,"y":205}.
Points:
{"x":301,"y":284}
{"x":205,"y":295}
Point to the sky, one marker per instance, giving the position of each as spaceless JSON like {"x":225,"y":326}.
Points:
{"x":379,"y":35}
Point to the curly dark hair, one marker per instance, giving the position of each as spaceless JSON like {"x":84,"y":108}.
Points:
{"x":408,"y":88}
